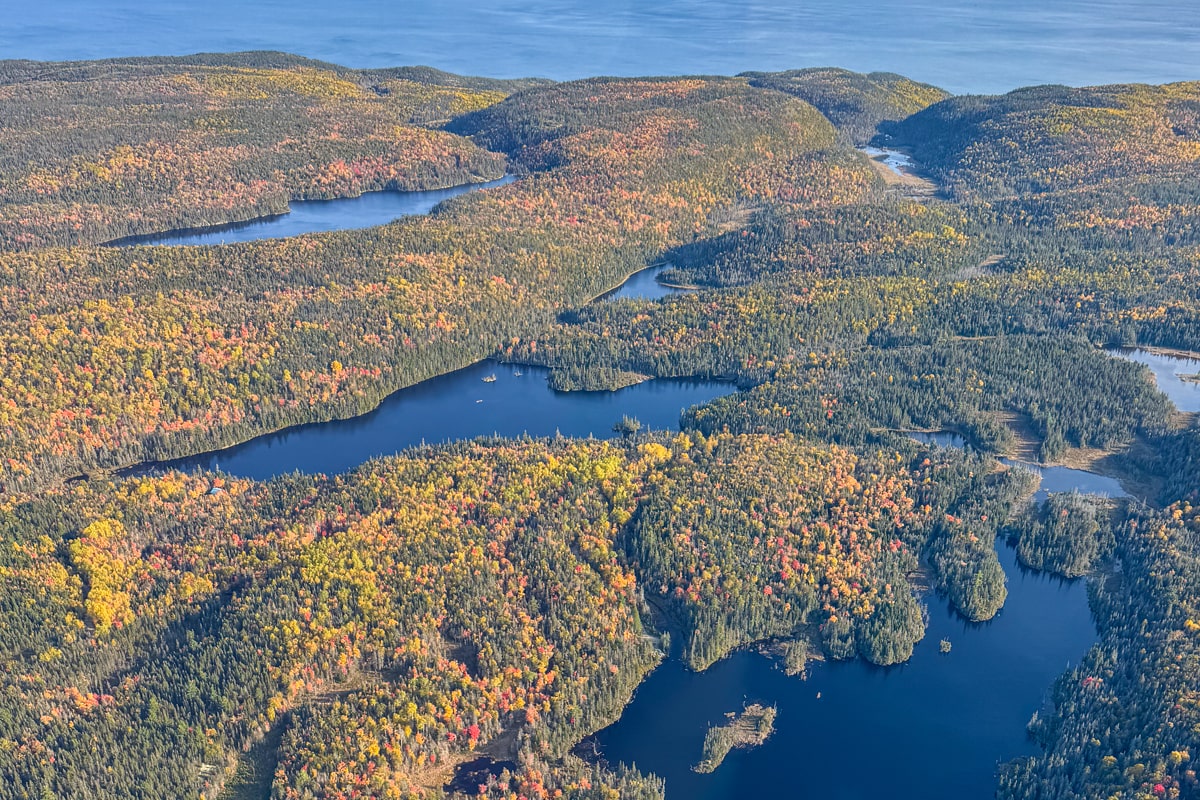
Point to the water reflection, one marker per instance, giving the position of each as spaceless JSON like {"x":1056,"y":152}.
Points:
{"x":938,"y":438}
{"x":1170,"y":372}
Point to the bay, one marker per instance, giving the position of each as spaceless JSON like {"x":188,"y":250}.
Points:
{"x":936,"y":727}
{"x":962,"y":45}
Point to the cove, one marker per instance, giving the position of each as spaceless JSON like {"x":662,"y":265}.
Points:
{"x":1168,"y":372}
{"x":313,"y":216}
{"x":934,"y":728}
{"x":938,"y":726}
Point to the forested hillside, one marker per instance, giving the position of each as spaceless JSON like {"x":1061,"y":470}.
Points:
{"x":854,"y":102}
{"x":479,"y":597}
{"x":115,"y":356}
{"x":106,"y":150}
{"x":477,"y":609}
{"x":431,"y":602}
{"x":1056,"y":138}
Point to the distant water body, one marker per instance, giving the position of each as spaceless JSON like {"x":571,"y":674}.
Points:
{"x":962,"y":45}
{"x":314,"y":216}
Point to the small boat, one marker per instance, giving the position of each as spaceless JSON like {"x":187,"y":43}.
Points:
{"x":518,"y":374}
{"x":490,"y":378}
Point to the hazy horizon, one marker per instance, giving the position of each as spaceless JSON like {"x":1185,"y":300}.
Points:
{"x":963,"y":46}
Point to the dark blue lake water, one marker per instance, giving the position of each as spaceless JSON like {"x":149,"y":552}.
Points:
{"x":963,"y":45}
{"x":642,"y":285}
{"x":313,"y":216}
{"x":934,"y":728}
{"x":459,"y":406}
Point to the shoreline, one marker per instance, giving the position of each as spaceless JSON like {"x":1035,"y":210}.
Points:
{"x":1093,"y":461}
{"x":661,"y":265}
{"x":1171,"y":352}
{"x":901,"y":175}
{"x":153,"y":239}
{"x":142,"y":467}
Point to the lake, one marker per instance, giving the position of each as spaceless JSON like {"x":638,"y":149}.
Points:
{"x":963,"y":45}
{"x":1168,"y":371}
{"x":463,"y":405}
{"x":1065,"y":479}
{"x":934,"y":728}
{"x":312,"y":216}
{"x":457,"y":406}
{"x":937,"y":726}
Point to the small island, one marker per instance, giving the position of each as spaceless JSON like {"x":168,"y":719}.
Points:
{"x":748,"y":729}
{"x":576,"y":378}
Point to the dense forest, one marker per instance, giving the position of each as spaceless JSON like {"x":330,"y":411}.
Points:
{"x":104,"y":151}
{"x":854,"y":102}
{"x":1124,"y":722}
{"x":475,"y":598}
{"x":116,"y":356}
{"x":454,"y":620}
{"x":432,"y":603}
